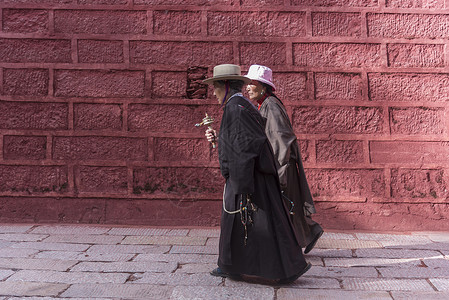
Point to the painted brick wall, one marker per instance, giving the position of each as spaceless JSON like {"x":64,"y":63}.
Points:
{"x":99,"y":98}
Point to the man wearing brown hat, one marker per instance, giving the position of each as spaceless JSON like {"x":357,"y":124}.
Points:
{"x":256,"y":236}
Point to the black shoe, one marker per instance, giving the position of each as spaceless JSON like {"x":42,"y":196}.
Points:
{"x":313,"y":243}
{"x":296,"y":276}
{"x":219,"y":273}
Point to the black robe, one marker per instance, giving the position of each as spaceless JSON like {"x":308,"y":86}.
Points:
{"x":290,"y":169}
{"x":249,"y":167}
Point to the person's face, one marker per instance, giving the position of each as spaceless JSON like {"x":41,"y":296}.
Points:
{"x":255,"y":90}
{"x":219,"y":92}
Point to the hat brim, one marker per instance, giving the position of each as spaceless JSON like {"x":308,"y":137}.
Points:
{"x":263,"y":81}
{"x":227,"y":77}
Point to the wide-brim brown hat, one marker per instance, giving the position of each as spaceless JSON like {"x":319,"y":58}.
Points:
{"x":227,"y":72}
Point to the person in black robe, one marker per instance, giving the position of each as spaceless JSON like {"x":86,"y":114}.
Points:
{"x":257,"y":237}
{"x":279,"y":131}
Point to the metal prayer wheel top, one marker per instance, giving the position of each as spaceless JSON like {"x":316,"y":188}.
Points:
{"x":206,"y":121}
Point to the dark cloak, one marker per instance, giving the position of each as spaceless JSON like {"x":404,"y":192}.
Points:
{"x":293,"y":180}
{"x":249,"y":167}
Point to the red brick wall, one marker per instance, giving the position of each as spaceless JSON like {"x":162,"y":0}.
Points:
{"x":99,"y":98}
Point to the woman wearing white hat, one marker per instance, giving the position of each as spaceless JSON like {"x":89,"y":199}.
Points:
{"x":256,"y":236}
{"x":283,"y":140}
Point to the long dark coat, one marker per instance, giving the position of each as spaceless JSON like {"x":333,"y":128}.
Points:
{"x":293,"y":180}
{"x":249,"y":167}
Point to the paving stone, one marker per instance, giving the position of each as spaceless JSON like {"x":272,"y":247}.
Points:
{"x":179,"y":279}
{"x":386,"y":284}
{"x":314,"y":260}
{"x":393,"y":237}
{"x":12,"y":252}
{"x":346,"y":244}
{"x":418,"y":272}
{"x":298,"y":294}
{"x":417,"y":246}
{"x":51,"y":246}
{"x":85,"y":256}
{"x":70,"y":229}
{"x":329,"y":253}
{"x":148,"y":231}
{"x":129,"y":249}
{"x":442,"y":237}
{"x":196,"y":268}
{"x":22,"y":237}
{"x":438,"y":262}
{"x":420,"y":295}
{"x":178,"y":258}
{"x":5,"y":273}
{"x":397,"y":253}
{"x":205,"y":232}
{"x":194,"y":249}
{"x":141,"y":266}
{"x":372,"y":262}
{"x":165,"y":240}
{"x":130,"y":291}
{"x":15,"y":228}
{"x":5,"y":244}
{"x":68,"y":277}
{"x":303,"y":282}
{"x":216,"y":293}
{"x":442,"y":284}
{"x":213,"y":242}
{"x":17,"y":288}
{"x":337,"y":236}
{"x":338,"y":272}
{"x":36,"y":264}
{"x":85,"y":239}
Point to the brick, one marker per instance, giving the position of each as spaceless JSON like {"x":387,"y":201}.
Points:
{"x":178,"y":181}
{"x":409,"y":26}
{"x":398,"y":253}
{"x":16,"y":228}
{"x":162,"y":212}
{"x":349,"y":3}
{"x":128,"y":267}
{"x":424,"y":184}
{"x":180,"y":53}
{"x":24,"y":147}
{"x":419,"y":295}
{"x":95,"y":51}
{"x":100,"y":148}
{"x":221,"y":292}
{"x":196,"y":268}
{"x":169,"y":84}
{"x":134,"y":291}
{"x":148,"y":231}
{"x":102,"y":179}
{"x":44,"y":246}
{"x":179,"y":279}
{"x":417,"y":239}
{"x":36,"y":264}
{"x":25,"y":82}
{"x":418,"y":272}
{"x":345,"y":244}
{"x":83,"y":256}
{"x":320,"y":253}
{"x":333,"y":151}
{"x":405,"y":152}
{"x":174,"y":149}
{"x":412,"y":55}
{"x":364,"y":183}
{"x":5,"y":274}
{"x":417,"y":120}
{"x":177,"y":22}
{"x":84,"y":239}
{"x":347,"y":55}
{"x":305,"y":150}
{"x":11,"y":252}
{"x":211,"y":250}
{"x":102,"y":2}
{"x":272,"y":54}
{"x":387,"y":284}
{"x":291,"y":86}
{"x":35,"y":51}
{"x":78,"y":83}
{"x":183,"y":2}
{"x":31,"y":115}
{"x":19,"y":237}
{"x":132,"y":249}
{"x":261,"y":3}
{"x":338,"y":86}
{"x":334,"y":119}
{"x":89,"y":116}
{"x":70,"y":229}
{"x":337,"y":236}
{"x":169,"y":118}
{"x":40,"y":1}
{"x":25,"y":20}
{"x":414,"y":4}
{"x":33,"y":179}
{"x":204,"y":232}
{"x":196,"y":89}
{"x":165,"y":240}
{"x":178,"y":258}
{"x":440,"y":284}
{"x":100,"y":22}
{"x":404,"y":263}
{"x":68,"y":277}
{"x":409,"y":87}
{"x":336,"y":24}
{"x":285,"y":24}
{"x":32,"y":288}
{"x":293,"y":294}
{"x":337,"y":272}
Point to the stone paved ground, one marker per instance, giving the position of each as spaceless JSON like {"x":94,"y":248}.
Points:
{"x":110,"y":262}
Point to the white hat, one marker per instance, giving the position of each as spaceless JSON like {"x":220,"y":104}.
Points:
{"x":262,"y":74}
{"x":226,"y":72}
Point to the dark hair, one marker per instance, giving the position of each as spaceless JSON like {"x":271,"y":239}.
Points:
{"x":268,"y":87}
{"x":235,"y":86}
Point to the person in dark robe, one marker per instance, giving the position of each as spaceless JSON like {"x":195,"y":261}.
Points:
{"x":283,"y":140}
{"x":257,"y":237}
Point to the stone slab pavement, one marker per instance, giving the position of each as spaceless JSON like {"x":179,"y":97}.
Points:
{"x":39,"y":261}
